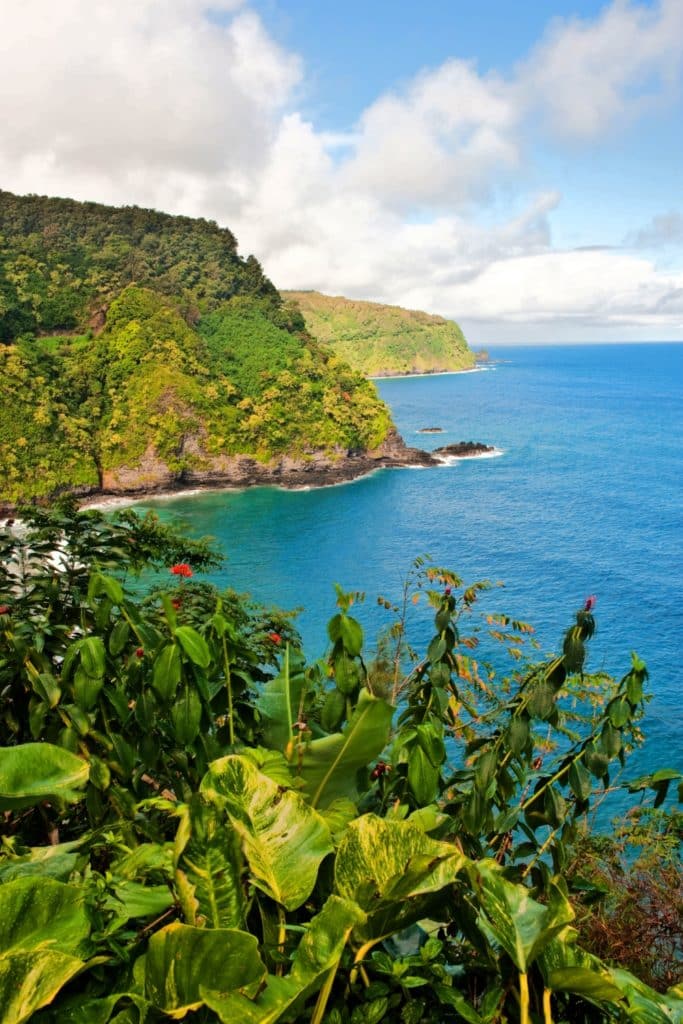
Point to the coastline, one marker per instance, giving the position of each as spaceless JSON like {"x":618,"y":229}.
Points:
{"x":425,"y":373}
{"x":153,"y":479}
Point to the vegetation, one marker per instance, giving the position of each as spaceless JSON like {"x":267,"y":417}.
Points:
{"x":383,"y":340}
{"x":139,"y":347}
{"x":198,"y":824}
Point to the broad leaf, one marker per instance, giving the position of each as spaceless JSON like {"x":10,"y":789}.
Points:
{"x":329,"y":765}
{"x":283,"y":839}
{"x":33,"y":772}
{"x":318,"y":954}
{"x":31,"y":979}
{"x":46,"y":861}
{"x":182,"y":960}
{"x":385,"y":866}
{"x":37,"y":913}
{"x":208,"y":868}
{"x":510,"y":918}
{"x":43,"y":929}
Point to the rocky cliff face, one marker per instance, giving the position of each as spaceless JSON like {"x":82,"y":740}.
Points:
{"x":315,"y":469}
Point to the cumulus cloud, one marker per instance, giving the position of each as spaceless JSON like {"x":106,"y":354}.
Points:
{"x":191,"y":107}
{"x":109,"y":99}
{"x":586,"y":76}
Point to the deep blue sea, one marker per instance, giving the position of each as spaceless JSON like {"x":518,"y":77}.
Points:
{"x":586,"y":498}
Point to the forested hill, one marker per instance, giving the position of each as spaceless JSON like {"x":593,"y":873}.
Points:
{"x":381,"y":340}
{"x":139,"y":350}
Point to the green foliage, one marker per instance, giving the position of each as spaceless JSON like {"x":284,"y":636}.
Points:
{"x":184,"y":833}
{"x":381,"y":340}
{"x":189,"y":355}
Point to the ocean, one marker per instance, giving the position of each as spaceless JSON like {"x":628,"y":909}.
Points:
{"x":585,"y":497}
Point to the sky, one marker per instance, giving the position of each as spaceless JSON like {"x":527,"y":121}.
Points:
{"x":514,"y":166}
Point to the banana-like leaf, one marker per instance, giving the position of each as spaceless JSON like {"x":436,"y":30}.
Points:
{"x":32,"y":979}
{"x":328,"y":765}
{"x":318,"y":954}
{"x":392,"y":869}
{"x":510,"y":918}
{"x":283,"y":839}
{"x":181,"y":961}
{"x":278,"y":704}
{"x":208,"y":868}
{"x":33,"y":772}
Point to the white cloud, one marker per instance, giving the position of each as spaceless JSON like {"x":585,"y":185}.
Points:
{"x":586,"y":76}
{"x":190,"y":107}
{"x":107,"y":99}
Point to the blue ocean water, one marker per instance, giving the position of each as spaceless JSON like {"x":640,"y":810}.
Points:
{"x":586,"y":498}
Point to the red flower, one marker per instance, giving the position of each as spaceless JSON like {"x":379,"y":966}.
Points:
{"x":140,"y":652}
{"x":590,"y":603}
{"x":447,"y":591}
{"x":177,"y":602}
{"x":181,"y":569}
{"x":4,"y":609}
{"x":381,"y":768}
{"x":275,"y":638}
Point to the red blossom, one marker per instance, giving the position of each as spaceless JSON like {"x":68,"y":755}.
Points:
{"x":381,"y":768}
{"x":140,"y":652}
{"x":590,"y":603}
{"x":177,"y":602}
{"x":4,"y":609}
{"x":275,"y":638}
{"x":181,"y":569}
{"x":447,"y":591}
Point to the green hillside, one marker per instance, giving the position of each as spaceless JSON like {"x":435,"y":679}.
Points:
{"x":138,"y":348}
{"x":384,"y":340}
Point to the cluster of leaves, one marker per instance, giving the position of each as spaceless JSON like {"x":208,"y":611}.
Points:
{"x":378,"y":339}
{"x":191,"y":355}
{"x":197,"y":822}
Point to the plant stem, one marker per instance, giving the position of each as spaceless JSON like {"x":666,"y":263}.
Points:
{"x":228,"y":687}
{"x":323,"y":996}
{"x":524,"y":998}
{"x":547,"y":1008}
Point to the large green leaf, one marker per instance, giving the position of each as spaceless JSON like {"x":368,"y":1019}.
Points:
{"x":328,"y":766}
{"x":510,"y":918}
{"x":280,"y":700}
{"x":29,"y":980}
{"x":37,"y":913}
{"x":283,"y":839}
{"x":208,"y":868}
{"x":182,"y":960}
{"x":387,"y":866}
{"x":318,"y":954}
{"x":43,"y":929}
{"x":47,"y":861}
{"x":33,"y":772}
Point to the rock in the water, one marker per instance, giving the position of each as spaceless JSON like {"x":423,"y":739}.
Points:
{"x":431,"y":430}
{"x":464,"y":450}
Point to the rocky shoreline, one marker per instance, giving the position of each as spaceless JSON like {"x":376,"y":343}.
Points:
{"x":153,"y":477}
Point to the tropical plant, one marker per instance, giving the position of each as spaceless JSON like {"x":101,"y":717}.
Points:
{"x":199,"y":824}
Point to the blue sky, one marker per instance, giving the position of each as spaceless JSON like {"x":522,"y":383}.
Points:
{"x":515,"y":167}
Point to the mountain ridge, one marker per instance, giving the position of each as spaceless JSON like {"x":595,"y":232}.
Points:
{"x":379,"y":339}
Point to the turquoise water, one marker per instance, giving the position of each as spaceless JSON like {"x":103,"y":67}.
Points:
{"x":586,"y":498}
